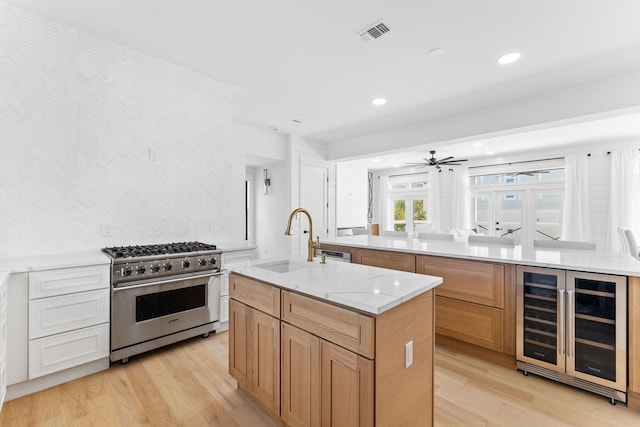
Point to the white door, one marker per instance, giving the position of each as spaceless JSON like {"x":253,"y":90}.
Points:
{"x":314,"y":198}
{"x":508,"y":211}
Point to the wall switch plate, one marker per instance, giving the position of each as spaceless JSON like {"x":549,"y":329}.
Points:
{"x":153,"y":155}
{"x":106,"y":229}
{"x":212,"y":228}
{"x":408,"y":354}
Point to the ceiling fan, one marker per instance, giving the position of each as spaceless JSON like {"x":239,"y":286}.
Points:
{"x":529,"y":173}
{"x":447,"y":161}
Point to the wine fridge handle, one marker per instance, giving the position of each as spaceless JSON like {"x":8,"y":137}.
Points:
{"x":570,"y":320}
{"x":561,"y":323}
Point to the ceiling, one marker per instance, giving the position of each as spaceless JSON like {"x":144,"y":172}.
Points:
{"x":303,"y":60}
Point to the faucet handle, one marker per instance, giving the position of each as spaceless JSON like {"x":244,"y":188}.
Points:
{"x":318,"y":241}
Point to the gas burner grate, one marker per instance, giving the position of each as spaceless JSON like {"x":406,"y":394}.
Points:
{"x":118,"y":252}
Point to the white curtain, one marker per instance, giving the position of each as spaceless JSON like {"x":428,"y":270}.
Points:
{"x":576,"y":221}
{"x":384,"y":211}
{"x":433,"y":211}
{"x":624,"y":196}
{"x":460,"y":213}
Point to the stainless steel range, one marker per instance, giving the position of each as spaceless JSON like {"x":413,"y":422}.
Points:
{"x":161,"y":294}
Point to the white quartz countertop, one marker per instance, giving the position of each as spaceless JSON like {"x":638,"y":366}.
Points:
{"x":568,"y":259}
{"x":235,"y":246}
{"x":51,"y":262}
{"x":3,"y":276}
{"x":369,"y":289}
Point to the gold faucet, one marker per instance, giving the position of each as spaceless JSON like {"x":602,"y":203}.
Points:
{"x":311,"y":245}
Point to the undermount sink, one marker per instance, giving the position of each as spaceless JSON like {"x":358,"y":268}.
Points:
{"x":281,"y":266}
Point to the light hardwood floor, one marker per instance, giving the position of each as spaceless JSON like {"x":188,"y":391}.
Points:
{"x":187,"y":384}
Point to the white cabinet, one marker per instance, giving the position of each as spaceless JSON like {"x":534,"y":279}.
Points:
{"x":230,"y":256}
{"x":61,"y":351}
{"x":352,"y":201}
{"x":3,"y":337}
{"x":68,"y":318}
{"x":57,"y":324}
{"x":48,"y":316}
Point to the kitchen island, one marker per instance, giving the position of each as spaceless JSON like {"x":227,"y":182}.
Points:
{"x":476,"y":305}
{"x":333,"y":343}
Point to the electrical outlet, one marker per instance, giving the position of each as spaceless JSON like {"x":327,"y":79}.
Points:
{"x":408,"y":354}
{"x":212,"y":228}
{"x":106,"y":229}
{"x":153,"y":155}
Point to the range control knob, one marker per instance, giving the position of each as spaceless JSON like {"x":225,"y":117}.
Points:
{"x":155,"y":267}
{"x":186,"y":263}
{"x":141,"y":269}
{"x":167,"y":266}
{"x":202,"y":261}
{"x":126,"y":270}
{"x":212,"y":261}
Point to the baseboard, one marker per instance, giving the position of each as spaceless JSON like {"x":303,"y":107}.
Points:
{"x":493,"y":356}
{"x":15,"y":391}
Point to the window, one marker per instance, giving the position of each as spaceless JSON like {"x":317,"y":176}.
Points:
{"x":408,"y":197}
{"x":523,"y":205}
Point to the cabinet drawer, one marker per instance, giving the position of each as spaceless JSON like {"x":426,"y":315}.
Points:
{"x":50,"y":283}
{"x":351,"y":330}
{"x":468,"y":322}
{"x":258,"y":295}
{"x":64,"y":313}
{"x":62,"y":351}
{"x":386,"y":259}
{"x":472,"y":281}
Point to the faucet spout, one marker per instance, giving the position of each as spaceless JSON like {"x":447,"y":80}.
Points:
{"x":311,"y":245}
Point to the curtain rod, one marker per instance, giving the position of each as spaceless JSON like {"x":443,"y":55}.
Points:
{"x":515,"y":163}
{"x":407,"y":174}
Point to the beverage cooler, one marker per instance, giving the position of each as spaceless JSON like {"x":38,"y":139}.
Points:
{"x":572,"y":328}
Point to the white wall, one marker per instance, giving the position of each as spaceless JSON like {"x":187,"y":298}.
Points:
{"x":79,"y":117}
{"x":272,"y":210}
{"x":599,"y":170}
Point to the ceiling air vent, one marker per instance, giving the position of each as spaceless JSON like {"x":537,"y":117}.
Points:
{"x":373,"y":32}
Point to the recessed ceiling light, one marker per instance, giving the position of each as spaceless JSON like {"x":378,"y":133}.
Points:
{"x":477,"y":144}
{"x":436,"y":51}
{"x":376,"y":160}
{"x":490,"y":153}
{"x":396,"y":165}
{"x":379,"y":101}
{"x":509,"y":58}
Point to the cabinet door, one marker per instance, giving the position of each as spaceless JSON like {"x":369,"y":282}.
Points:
{"x":61,"y":351}
{"x":347,"y":388}
{"x":300,"y":377}
{"x":64,"y":281}
{"x":48,"y":316}
{"x":265,"y":358}
{"x":239,"y":332}
{"x":596,"y":323}
{"x":473,"y":323}
{"x":540,"y":307}
{"x":224,"y":309}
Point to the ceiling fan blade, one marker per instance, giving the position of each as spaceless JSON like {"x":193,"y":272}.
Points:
{"x":416,"y":164}
{"x":445,"y":159}
{"x":448,"y":162}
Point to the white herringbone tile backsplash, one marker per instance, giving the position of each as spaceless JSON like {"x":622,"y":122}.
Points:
{"x":78,"y":118}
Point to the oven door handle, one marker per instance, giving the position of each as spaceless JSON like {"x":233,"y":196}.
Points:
{"x":162,"y":282}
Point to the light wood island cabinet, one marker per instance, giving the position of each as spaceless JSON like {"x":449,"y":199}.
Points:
{"x":386,"y":259}
{"x":476,"y":302}
{"x":254,"y":340}
{"x":337,"y":366}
